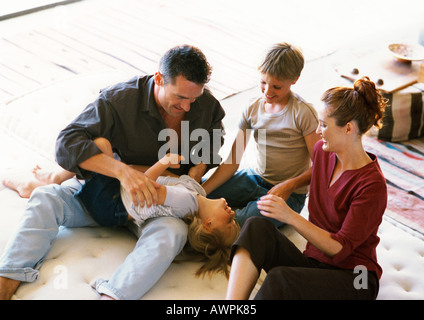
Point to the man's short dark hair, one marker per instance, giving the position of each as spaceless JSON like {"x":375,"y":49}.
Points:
{"x":187,"y":61}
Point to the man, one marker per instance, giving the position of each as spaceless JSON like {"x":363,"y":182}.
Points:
{"x":133,"y":116}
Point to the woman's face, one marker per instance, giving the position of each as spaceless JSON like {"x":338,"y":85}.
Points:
{"x":331,"y":134}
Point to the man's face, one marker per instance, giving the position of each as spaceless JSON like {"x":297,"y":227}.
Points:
{"x":175,"y":98}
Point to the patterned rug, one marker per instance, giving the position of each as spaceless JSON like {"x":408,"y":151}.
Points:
{"x":403,"y":168}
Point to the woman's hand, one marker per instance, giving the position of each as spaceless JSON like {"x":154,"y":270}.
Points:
{"x":272,"y":206}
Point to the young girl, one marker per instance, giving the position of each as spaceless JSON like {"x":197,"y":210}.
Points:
{"x":284,"y":157}
{"x":212,"y":229}
{"x":347,"y":200}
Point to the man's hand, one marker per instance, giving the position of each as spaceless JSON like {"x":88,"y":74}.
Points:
{"x":140,"y":187}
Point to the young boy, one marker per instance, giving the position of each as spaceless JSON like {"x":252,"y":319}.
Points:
{"x":283,"y":153}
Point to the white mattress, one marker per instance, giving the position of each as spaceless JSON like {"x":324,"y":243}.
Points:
{"x":28,"y":129}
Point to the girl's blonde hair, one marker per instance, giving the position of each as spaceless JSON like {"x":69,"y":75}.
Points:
{"x":212,"y":247}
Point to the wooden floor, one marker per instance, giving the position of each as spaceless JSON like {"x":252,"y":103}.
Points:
{"x":127,"y":36}
{"x":131,"y":35}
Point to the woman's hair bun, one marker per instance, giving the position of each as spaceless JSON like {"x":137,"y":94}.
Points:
{"x":363,"y":103}
{"x":364,"y":86}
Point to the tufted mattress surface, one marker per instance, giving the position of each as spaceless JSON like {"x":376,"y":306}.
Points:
{"x":28,"y":130}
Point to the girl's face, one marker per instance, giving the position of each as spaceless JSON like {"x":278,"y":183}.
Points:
{"x":275,"y":91}
{"x":331,"y":134}
{"x":220,"y":217}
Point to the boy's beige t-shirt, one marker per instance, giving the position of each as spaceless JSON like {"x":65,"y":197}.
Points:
{"x":281,"y":151}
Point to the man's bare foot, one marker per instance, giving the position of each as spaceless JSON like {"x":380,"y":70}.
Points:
{"x":51,"y":175}
{"x":8,"y":288}
{"x":23,"y":182}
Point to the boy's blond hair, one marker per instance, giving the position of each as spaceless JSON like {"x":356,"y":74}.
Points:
{"x":213,"y":248}
{"x":283,"y":61}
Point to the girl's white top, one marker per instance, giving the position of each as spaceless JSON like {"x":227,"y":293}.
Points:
{"x":181,"y":198}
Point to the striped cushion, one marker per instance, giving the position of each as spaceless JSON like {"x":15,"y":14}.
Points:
{"x":404,"y":117}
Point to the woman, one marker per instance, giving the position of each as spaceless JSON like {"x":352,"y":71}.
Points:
{"x":347,"y":199}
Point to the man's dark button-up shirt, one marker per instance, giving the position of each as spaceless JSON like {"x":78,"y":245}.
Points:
{"x":127,"y":115}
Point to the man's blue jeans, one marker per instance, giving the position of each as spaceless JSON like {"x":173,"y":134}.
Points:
{"x":244,"y":189}
{"x":160,"y":240}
